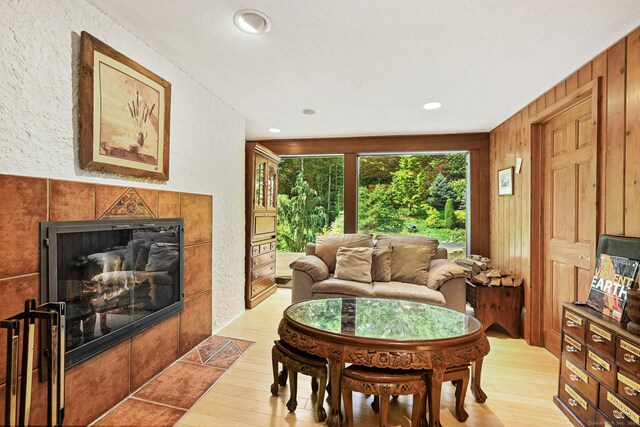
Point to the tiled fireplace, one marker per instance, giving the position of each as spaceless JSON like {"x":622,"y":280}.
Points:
{"x":97,"y":384}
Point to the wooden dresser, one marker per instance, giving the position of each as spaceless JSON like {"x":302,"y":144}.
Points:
{"x":261,"y":206}
{"x":599,"y":380}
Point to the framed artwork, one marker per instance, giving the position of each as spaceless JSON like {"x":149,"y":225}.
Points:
{"x":124,"y":114}
{"x":505,"y":182}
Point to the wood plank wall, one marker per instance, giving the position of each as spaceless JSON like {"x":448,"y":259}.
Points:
{"x":477,"y":144}
{"x":619,"y":156}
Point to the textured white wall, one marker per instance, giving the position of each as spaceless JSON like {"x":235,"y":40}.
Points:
{"x":39,"y":51}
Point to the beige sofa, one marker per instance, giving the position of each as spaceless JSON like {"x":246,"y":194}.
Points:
{"x":313,"y":274}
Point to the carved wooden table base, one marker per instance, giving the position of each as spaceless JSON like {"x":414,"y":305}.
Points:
{"x":433,"y":356}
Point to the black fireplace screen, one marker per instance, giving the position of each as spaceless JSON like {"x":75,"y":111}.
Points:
{"x":117,"y":278}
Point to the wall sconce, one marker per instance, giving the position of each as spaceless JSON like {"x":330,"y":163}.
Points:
{"x":518,"y":164}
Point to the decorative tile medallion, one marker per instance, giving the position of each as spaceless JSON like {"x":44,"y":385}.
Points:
{"x":129,"y":205}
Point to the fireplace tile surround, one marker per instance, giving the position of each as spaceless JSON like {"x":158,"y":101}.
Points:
{"x":114,"y":374}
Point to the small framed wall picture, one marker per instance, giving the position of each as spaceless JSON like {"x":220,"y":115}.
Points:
{"x":505,"y":182}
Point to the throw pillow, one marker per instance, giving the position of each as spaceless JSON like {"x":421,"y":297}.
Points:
{"x":384,"y":240}
{"x":354,"y":264}
{"x":410,"y":263}
{"x":312,"y":265}
{"x":327,"y":246}
{"x":442,"y":270}
{"x":381,"y":264}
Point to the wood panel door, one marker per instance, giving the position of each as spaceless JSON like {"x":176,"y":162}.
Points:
{"x":570,"y":234}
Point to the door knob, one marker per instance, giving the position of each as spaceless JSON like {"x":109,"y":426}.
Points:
{"x":584,"y":257}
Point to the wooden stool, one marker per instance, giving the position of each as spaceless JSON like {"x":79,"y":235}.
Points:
{"x":384,"y":383}
{"x":294,"y":361}
{"x":459,"y":377}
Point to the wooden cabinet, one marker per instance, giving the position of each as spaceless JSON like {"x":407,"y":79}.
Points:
{"x":261,"y":207}
{"x":599,"y":369}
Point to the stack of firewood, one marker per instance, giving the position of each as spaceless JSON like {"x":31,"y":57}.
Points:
{"x":481,"y":272}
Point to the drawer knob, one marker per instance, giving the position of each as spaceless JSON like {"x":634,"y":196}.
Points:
{"x":630,"y":358}
{"x":254,"y":288}
{"x":571,"y":324}
{"x":572,"y":402}
{"x":571,"y":349}
{"x":574,"y":377}
{"x":597,"y":338}
{"x":618,"y":414}
{"x":597,"y":366}
{"x":630,"y":391}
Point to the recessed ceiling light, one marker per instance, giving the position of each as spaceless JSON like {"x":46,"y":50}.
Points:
{"x":252,"y":21}
{"x":274,"y":130}
{"x":432,"y":105}
{"x":308,"y":112}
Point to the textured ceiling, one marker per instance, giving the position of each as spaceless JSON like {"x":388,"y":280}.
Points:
{"x":368,"y":66}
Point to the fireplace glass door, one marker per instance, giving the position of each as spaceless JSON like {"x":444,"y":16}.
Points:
{"x":114,"y":281}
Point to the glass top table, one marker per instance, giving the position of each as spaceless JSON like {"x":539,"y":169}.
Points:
{"x":385,"y":319}
{"x":387,"y":333}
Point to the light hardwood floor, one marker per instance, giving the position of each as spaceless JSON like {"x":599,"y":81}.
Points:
{"x":519,"y":380}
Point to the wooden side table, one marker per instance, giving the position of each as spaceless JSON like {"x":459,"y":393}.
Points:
{"x":497,"y":304}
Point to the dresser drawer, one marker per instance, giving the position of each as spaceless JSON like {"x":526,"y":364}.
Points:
{"x":574,"y":324}
{"x":601,"y":339}
{"x":264,"y":271}
{"x":265,"y":247}
{"x":617,"y":410}
{"x":579,"y":380}
{"x":255,"y":250}
{"x":629,"y":387}
{"x":601,"y":368}
{"x":259,"y":260}
{"x":578,"y":404}
{"x":272,"y":246}
{"x":628,"y":356}
{"x":574,"y":350}
{"x":261,"y":284}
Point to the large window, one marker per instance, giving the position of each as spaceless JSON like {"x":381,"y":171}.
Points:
{"x":418,"y":194}
{"x":310,"y":200}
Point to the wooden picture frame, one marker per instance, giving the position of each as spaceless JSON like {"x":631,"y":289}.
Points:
{"x":124,"y":114}
{"x":505,"y":182}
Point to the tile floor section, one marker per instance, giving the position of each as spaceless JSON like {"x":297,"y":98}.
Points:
{"x":166,"y":398}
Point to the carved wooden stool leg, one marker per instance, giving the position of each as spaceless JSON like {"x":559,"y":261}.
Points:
{"x":274,"y":362}
{"x":419,"y":402}
{"x":282,"y":377}
{"x":314,"y":385}
{"x":322,"y":414}
{"x":292,"y":404}
{"x":384,"y":409}
{"x":347,"y":397}
{"x":461,"y":393}
{"x":476,"y":374}
{"x":375,"y":404}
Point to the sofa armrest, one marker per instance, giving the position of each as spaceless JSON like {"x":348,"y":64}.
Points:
{"x":301,"y":283}
{"x":312,"y":265}
{"x":441,"y":270}
{"x":455,"y":294}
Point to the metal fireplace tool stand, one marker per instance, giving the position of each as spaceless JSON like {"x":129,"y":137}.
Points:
{"x":18,"y":399}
